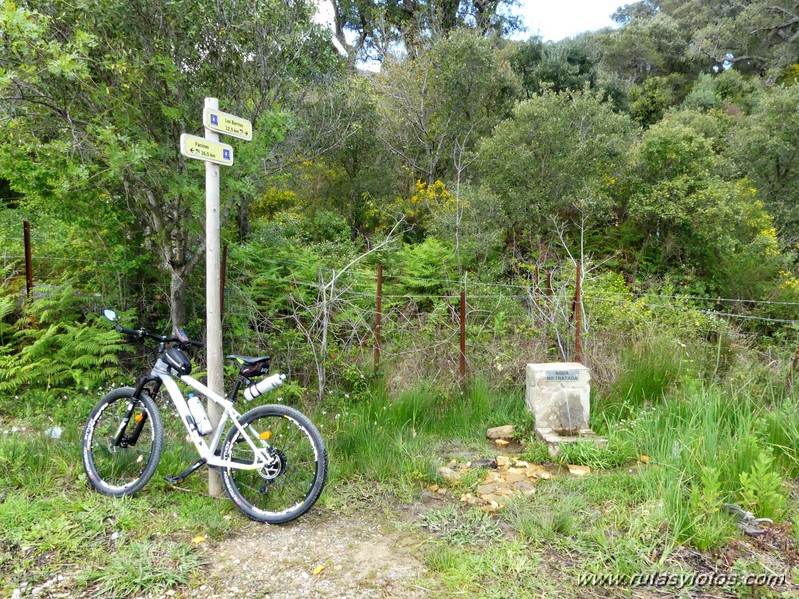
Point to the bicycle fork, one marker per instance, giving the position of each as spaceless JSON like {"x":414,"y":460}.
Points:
{"x":141,"y":419}
{"x":120,"y":439}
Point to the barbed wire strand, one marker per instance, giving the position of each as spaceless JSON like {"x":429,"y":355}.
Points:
{"x":709,"y":312}
{"x":596,"y":295}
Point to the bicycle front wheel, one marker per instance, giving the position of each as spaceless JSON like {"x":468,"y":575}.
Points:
{"x":122,"y":442}
{"x":291,"y":484}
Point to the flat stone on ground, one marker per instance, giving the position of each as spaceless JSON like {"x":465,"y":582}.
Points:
{"x":501,"y":432}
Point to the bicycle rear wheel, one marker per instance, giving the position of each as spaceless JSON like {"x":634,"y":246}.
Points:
{"x":286,"y":489}
{"x":119,"y":457}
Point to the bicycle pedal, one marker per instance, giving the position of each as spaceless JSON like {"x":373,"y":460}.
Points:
{"x":173,"y":480}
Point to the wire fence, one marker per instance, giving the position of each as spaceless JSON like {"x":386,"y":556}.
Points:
{"x":428,"y":327}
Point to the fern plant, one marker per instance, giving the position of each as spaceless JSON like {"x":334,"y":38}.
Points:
{"x":762,"y":491}
{"x":56,"y":347}
{"x":8,"y":303}
{"x":696,"y":517}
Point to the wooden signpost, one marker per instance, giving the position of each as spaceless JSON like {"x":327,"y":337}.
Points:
{"x":214,"y":154}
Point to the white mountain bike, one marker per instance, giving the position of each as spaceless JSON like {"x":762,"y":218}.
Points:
{"x":273,"y":462}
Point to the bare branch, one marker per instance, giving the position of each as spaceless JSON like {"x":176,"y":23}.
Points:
{"x":389,"y":239}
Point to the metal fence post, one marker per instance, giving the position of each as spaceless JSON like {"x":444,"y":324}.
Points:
{"x":378,"y":314}
{"x":463,"y":335}
{"x":28,"y":258}
{"x":578,"y":315}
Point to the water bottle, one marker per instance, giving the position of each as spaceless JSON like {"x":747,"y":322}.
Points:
{"x":263,"y":386}
{"x":198,"y":414}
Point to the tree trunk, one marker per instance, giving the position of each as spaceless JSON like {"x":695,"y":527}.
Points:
{"x":180,"y":262}
{"x":177,"y":297}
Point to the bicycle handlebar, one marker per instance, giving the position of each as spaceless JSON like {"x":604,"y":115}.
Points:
{"x":130,"y":332}
{"x":160,"y":338}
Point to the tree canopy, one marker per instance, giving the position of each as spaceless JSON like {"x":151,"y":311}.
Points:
{"x":104,"y":89}
{"x":665,"y":147}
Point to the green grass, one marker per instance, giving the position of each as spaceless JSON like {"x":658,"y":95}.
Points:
{"x":462,"y":526}
{"x":398,"y":441}
{"x":781,"y":432}
{"x":54,"y":523}
{"x":649,"y":370}
{"x":547,"y":525}
{"x":707,"y":444}
{"x":141,"y":566}
{"x":507,"y":569}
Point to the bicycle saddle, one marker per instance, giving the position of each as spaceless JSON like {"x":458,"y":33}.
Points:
{"x":251,"y":365}
{"x":248,"y":359}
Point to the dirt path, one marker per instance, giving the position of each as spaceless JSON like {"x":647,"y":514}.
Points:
{"x":323,"y":554}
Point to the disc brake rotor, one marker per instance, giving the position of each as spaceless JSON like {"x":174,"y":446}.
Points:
{"x":276,"y":468}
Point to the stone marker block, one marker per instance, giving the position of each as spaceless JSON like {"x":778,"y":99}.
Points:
{"x":554,"y":440}
{"x":558,"y":395}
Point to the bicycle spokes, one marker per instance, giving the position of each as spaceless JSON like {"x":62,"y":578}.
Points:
{"x":126,"y":457}
{"x":293,"y":470}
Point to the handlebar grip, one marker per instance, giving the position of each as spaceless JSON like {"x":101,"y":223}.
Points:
{"x":131,"y":332}
{"x":197,"y":343}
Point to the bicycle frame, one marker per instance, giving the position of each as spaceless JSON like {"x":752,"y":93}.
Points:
{"x":208,"y":452}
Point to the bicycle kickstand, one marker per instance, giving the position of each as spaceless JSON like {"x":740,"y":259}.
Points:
{"x":176,"y":480}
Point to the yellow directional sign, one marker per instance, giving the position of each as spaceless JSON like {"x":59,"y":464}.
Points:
{"x":227,"y":124}
{"x":200,"y":148}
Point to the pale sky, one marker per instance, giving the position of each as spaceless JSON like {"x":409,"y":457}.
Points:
{"x":555,"y":19}
{"x":551,"y":19}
